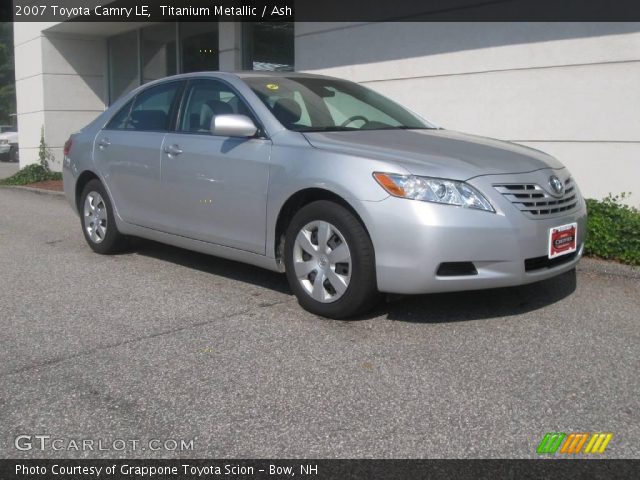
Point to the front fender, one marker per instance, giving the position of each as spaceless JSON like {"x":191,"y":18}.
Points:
{"x":300,"y":167}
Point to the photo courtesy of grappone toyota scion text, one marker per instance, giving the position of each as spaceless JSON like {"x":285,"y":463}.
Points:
{"x":346,"y":191}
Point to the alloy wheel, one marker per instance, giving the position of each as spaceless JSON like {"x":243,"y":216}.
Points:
{"x":95,"y":217}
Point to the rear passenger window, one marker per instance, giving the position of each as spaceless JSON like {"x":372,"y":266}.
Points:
{"x":119,"y":120}
{"x":151,"y":110}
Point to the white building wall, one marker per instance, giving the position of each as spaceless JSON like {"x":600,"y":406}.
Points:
{"x":60,"y":85}
{"x":570,"y":89}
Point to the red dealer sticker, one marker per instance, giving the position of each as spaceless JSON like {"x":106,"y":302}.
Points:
{"x":563,"y":240}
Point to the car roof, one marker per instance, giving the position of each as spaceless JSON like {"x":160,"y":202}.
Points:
{"x":224,"y":75}
{"x":237,"y":74}
{"x":260,"y":73}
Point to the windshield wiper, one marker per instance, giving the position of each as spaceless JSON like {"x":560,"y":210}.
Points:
{"x":405,"y":127}
{"x":350,"y":129}
{"x":327,"y":129}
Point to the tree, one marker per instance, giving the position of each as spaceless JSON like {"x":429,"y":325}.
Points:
{"x":7,"y":74}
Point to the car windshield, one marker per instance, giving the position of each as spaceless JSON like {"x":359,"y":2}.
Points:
{"x":311,"y":104}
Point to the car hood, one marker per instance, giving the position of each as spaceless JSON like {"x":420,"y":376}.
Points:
{"x":436,"y":153}
{"x":10,"y":136}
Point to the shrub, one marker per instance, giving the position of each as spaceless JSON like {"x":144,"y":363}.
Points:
{"x":613,"y":230}
{"x":46,"y":157}
{"x":31,"y":174}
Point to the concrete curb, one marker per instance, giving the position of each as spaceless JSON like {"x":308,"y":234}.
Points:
{"x":41,"y":191}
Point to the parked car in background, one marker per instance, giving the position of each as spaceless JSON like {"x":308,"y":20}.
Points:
{"x":347,"y":192}
{"x":8,"y":143}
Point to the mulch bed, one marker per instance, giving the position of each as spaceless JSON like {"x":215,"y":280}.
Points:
{"x":55,"y":185}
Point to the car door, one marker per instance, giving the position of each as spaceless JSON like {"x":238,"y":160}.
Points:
{"x":214,"y":188}
{"x":128,"y":151}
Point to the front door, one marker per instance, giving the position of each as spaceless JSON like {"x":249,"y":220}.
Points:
{"x":214,"y":188}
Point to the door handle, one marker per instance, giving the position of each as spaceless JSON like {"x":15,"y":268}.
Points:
{"x":104,"y":142}
{"x":172,"y":149}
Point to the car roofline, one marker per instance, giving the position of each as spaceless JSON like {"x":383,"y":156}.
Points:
{"x":234,"y":74}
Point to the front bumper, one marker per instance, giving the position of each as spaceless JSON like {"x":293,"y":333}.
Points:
{"x":412,"y":239}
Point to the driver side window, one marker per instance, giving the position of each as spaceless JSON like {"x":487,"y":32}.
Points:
{"x":204,"y":100}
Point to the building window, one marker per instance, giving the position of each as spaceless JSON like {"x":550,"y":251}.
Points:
{"x":123,"y":64}
{"x":158,"y":50}
{"x":199,"y":46}
{"x":268,"y":46}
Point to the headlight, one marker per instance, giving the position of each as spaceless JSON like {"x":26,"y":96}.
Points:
{"x":437,"y":190}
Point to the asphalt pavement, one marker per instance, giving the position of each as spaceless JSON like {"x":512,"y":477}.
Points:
{"x":8,"y":168}
{"x":164,"y":344}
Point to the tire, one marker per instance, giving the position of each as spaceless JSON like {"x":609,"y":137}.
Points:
{"x":13,"y":154}
{"x":105,"y":239}
{"x":328,"y":279}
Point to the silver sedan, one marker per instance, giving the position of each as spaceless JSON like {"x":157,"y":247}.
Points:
{"x":347,"y":192}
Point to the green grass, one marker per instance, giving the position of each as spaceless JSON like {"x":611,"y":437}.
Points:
{"x":31,"y":174}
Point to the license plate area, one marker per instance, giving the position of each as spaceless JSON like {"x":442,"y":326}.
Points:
{"x":563,"y":240}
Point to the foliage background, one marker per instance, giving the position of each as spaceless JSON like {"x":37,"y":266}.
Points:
{"x":613,"y":230}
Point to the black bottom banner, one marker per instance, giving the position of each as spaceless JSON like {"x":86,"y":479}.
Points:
{"x":317,"y":469}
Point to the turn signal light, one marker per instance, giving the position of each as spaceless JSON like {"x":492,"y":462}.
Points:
{"x":389,"y":185}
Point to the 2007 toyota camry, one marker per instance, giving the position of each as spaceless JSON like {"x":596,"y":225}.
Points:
{"x":346,"y":191}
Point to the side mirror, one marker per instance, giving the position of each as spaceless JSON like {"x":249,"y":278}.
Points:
{"x":233,"y":125}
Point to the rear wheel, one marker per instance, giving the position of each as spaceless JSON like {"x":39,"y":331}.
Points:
{"x":330,"y":262}
{"x":97,"y":220}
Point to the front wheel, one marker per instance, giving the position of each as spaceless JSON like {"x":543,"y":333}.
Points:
{"x":330,"y":261}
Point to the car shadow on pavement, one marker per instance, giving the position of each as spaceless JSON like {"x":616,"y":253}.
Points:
{"x":214,"y":265}
{"x":478,"y":304}
{"x":432,"y":308}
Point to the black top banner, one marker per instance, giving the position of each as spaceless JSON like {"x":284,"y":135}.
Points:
{"x":319,"y":10}
{"x":186,"y":469}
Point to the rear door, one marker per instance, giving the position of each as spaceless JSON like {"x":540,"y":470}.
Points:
{"x":214,"y":188}
{"x":128,"y":152}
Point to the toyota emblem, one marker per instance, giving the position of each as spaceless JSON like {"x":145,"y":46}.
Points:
{"x":556,"y":185}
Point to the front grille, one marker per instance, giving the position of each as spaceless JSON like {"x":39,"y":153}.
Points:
{"x":534,"y":201}
{"x":538,"y":263}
